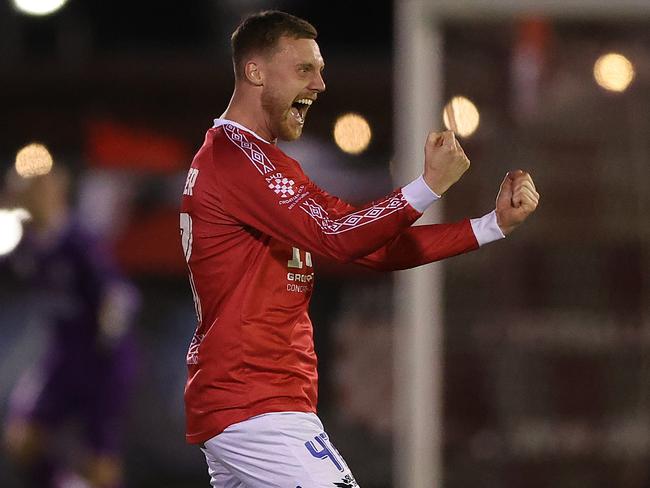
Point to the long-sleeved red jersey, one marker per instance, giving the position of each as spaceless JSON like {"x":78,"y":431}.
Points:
{"x":250,"y":220}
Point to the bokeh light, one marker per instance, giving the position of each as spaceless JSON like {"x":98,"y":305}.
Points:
{"x":461,"y":115}
{"x":614,"y":72}
{"x":352,"y":133}
{"x":33,"y":160}
{"x":11,"y":228}
{"x":39,"y":7}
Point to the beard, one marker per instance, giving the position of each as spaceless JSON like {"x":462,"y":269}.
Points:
{"x":281,"y":122}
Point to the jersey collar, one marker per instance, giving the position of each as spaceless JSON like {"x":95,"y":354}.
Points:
{"x":220,"y":122}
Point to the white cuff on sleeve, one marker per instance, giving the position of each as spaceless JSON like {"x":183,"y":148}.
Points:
{"x":486,"y":228}
{"x":419,"y":195}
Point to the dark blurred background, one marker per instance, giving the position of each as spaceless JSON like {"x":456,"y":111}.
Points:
{"x":546,"y":335}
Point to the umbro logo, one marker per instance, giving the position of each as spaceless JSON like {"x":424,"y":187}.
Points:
{"x":347,"y":482}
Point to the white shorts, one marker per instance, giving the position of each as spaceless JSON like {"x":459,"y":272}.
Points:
{"x":283,"y":450}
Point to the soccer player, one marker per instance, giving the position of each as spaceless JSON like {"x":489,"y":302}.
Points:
{"x":85,"y":376}
{"x":251,"y":221}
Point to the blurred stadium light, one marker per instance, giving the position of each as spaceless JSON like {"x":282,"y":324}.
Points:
{"x":461,"y":115}
{"x":33,"y":160}
{"x":352,"y":133}
{"x":39,"y":7}
{"x":11,"y":228}
{"x":614,"y":72}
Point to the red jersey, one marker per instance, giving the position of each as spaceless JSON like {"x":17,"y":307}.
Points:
{"x":250,"y":221}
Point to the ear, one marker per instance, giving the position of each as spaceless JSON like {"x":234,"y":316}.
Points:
{"x":253,"y":73}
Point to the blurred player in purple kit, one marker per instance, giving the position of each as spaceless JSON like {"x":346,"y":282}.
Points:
{"x":86,"y":373}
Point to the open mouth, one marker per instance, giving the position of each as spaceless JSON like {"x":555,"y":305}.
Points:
{"x":299,"y":109}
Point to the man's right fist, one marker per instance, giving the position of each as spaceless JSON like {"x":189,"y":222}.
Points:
{"x":444,"y":161}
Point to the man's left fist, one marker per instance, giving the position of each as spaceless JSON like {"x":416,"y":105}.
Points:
{"x":516,"y":200}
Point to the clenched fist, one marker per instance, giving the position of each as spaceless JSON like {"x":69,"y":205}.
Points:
{"x":516,"y":200}
{"x":444,"y":161}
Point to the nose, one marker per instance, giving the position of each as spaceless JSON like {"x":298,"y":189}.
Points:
{"x":318,"y":84}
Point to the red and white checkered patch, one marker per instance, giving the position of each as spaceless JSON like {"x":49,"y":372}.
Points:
{"x":282,"y":186}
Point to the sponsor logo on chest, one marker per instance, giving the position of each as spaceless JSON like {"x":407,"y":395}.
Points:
{"x":300,"y":274}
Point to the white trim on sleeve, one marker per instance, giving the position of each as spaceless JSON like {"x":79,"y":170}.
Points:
{"x":419,"y":195}
{"x":486,"y":228}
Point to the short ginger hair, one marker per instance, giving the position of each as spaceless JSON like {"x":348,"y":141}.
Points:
{"x":260,"y":32}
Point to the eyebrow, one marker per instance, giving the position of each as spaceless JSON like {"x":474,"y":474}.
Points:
{"x":309,"y":66}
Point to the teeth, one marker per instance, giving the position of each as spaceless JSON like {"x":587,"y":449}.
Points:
{"x":305,"y":101}
{"x":296,"y":113}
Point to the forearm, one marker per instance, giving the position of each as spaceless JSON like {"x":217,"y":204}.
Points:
{"x":422,"y":245}
{"x":425,"y":244}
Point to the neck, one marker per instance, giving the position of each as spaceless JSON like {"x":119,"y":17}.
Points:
{"x":247,"y":110}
